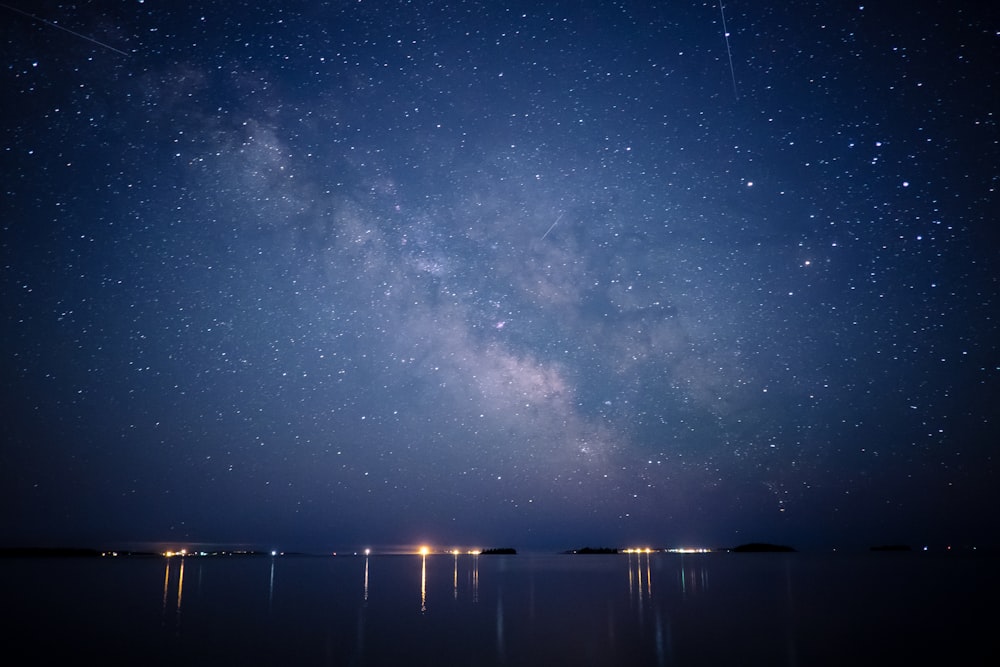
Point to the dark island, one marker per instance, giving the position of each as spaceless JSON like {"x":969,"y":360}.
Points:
{"x":502,"y":551}
{"x":761,"y":547}
{"x":592,"y":550}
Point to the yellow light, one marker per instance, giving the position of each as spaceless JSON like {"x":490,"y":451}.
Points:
{"x":424,"y":551}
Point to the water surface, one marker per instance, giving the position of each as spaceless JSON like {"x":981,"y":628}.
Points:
{"x":656,"y":609}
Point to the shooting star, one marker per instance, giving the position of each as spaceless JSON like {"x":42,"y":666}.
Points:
{"x":551,"y":227}
{"x":56,"y":25}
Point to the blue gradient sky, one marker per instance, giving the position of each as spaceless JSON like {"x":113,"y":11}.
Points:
{"x":328,"y":275}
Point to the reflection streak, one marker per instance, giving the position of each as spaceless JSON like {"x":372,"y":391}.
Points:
{"x":166,"y":589}
{"x":475,"y":578}
{"x":180,"y":590}
{"x":166,"y":593}
{"x":649,"y":577}
{"x":270,"y":586}
{"x":423,"y":583}
{"x":635,"y":576}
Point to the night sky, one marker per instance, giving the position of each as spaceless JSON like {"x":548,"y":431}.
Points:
{"x":324,"y":276}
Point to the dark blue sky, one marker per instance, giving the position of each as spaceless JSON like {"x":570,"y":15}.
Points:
{"x":331,"y":275}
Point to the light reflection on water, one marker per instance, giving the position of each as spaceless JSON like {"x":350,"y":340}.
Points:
{"x":522,"y":577}
{"x":642,"y":608}
{"x":178,"y":593}
{"x":693,"y":575}
{"x":640,"y":570}
{"x":423,"y":583}
{"x":270,"y":587}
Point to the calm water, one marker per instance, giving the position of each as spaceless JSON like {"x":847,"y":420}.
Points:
{"x":663,"y":609}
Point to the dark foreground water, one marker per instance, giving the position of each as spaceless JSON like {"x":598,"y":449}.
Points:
{"x":659,"y":609}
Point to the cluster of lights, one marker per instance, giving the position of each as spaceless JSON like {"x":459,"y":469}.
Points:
{"x":426,"y":550}
{"x":639,"y":550}
{"x":184,"y":552}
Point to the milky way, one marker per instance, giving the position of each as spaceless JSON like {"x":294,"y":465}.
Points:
{"x":333,"y":275}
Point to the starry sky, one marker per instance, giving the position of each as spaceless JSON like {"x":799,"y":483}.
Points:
{"x":328,"y":275}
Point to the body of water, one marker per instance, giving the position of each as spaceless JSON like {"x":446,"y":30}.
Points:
{"x":635,"y":609}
